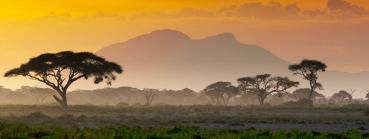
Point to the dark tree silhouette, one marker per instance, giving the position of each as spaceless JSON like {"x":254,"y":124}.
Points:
{"x":264,"y":85}
{"x":221,"y":92}
{"x":60,"y":70}
{"x":309,"y":70}
{"x":149,"y":95}
{"x":341,"y":95}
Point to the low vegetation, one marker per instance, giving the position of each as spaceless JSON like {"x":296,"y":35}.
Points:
{"x":25,"y":132}
{"x":163,"y":116}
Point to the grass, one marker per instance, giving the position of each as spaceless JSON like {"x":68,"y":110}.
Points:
{"x":161,"y":116}
{"x":20,"y":131}
{"x":196,"y":122}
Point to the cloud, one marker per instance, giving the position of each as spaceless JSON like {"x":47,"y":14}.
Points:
{"x":335,"y":9}
{"x":314,"y":13}
{"x":260,"y":10}
{"x":344,"y":6}
{"x":194,"y":12}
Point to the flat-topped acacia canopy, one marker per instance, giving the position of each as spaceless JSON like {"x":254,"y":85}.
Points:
{"x":60,"y":70}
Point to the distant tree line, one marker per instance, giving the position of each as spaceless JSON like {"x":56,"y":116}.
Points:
{"x":125,"y":96}
{"x":264,"y":85}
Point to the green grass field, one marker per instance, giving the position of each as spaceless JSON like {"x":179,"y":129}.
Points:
{"x":26,"y":121}
{"x":26,"y":132}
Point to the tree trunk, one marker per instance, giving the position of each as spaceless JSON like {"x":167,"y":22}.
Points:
{"x":147,"y":102}
{"x":217,"y":101}
{"x":63,"y":100}
{"x":261,"y":100}
{"x":224,"y":99}
{"x":311,"y":94}
{"x":148,"y":98}
{"x":311,"y":90}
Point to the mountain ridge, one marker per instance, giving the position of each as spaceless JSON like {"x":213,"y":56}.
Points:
{"x":171,"y":59}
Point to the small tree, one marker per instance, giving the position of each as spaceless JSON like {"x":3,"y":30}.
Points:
{"x":303,"y":93}
{"x":149,"y":95}
{"x":264,"y":85}
{"x":221,"y":92}
{"x":341,"y":95}
{"x":60,"y":70}
{"x":309,"y":70}
{"x":367,"y":94}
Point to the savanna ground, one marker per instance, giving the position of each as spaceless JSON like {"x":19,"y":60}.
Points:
{"x":25,"y":121}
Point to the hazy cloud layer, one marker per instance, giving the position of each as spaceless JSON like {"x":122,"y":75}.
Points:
{"x":259,"y":10}
{"x":335,"y":9}
{"x":344,"y":6}
{"x":335,"y":33}
{"x":194,"y":12}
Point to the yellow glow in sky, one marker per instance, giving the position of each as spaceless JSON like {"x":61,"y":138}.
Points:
{"x":31,"y":27}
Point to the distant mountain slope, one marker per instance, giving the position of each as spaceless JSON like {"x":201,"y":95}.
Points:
{"x":171,"y":59}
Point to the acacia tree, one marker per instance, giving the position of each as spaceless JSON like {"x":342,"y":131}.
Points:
{"x":264,"y":85}
{"x":309,"y":70}
{"x":341,"y":95}
{"x":221,"y":92}
{"x":303,"y":93}
{"x":149,"y":95}
{"x":60,"y":70}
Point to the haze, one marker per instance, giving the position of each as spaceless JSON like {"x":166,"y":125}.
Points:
{"x":334,"y":31}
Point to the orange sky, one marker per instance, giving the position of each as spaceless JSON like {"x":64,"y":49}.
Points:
{"x":292,"y":29}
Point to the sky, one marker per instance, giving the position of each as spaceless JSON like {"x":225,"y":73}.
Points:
{"x":333,"y":31}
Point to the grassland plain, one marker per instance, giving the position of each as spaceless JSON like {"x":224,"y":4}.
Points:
{"x":20,"y":131}
{"x":203,"y":121}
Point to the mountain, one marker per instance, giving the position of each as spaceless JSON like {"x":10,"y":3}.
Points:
{"x":171,"y":59}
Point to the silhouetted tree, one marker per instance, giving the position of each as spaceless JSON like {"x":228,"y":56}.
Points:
{"x":149,"y":95}
{"x":367,"y":94}
{"x":309,"y":70}
{"x":60,"y":70}
{"x":264,"y":85}
{"x":185,"y":96}
{"x":340,"y":96}
{"x":221,"y":92}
